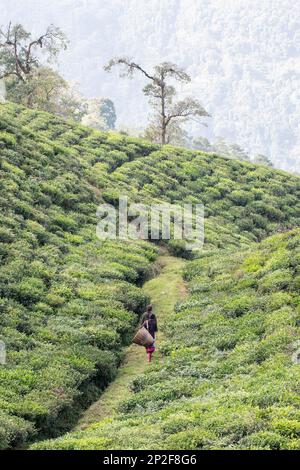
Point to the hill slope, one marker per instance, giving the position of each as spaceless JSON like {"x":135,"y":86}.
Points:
{"x":243,"y":202}
{"x":68,"y":302}
{"x":227,"y":379}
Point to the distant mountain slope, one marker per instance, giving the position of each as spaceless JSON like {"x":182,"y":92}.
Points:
{"x":68,"y":302}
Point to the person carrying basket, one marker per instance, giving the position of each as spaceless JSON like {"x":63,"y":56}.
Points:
{"x":145,"y":335}
{"x":149,"y":322}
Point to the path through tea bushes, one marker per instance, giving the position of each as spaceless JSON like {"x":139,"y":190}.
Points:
{"x":69,"y":302}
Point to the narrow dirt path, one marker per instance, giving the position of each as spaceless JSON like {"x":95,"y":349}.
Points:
{"x":164,"y":290}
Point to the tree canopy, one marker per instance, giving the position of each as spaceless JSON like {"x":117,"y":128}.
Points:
{"x":161,"y":92}
{"x":19,"y":51}
{"x":21,"y":56}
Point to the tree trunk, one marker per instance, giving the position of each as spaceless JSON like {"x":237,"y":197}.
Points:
{"x":30,"y":92}
{"x":163,"y":115}
{"x":29,"y":100}
{"x":163,"y":134}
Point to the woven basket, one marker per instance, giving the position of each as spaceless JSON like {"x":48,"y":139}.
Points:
{"x":143,"y":337}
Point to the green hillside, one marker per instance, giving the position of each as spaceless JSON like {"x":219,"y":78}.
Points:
{"x":69,"y":303}
{"x":243,"y":202}
{"x":227,"y":379}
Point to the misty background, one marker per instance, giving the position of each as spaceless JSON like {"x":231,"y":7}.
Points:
{"x":243,"y":57}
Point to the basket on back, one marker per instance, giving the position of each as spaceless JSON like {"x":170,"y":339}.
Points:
{"x":143,"y":337}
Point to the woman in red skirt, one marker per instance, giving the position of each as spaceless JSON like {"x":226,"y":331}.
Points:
{"x":150,"y":323}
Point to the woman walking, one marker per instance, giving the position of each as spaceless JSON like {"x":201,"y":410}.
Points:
{"x":149,"y":321}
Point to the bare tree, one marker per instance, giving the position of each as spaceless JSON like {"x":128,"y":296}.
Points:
{"x":19,"y":56}
{"x":161,"y":93}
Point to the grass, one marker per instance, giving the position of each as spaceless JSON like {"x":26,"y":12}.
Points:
{"x":164,"y":291}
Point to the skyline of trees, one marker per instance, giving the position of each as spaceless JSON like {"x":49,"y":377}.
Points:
{"x":31,"y":81}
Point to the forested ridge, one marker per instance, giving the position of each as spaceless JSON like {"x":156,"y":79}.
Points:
{"x":69,"y":302}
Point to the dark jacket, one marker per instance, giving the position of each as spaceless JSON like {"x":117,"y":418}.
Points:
{"x":150,"y":323}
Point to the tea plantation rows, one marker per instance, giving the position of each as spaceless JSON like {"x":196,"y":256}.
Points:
{"x":69,"y":302}
{"x":229,"y":378}
{"x":243,"y":202}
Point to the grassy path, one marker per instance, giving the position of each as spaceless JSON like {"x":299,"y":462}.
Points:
{"x":164,"y":290}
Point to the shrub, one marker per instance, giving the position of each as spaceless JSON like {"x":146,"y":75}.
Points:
{"x":13,"y":431}
{"x":7,"y":139}
{"x":238,"y":306}
{"x":29,"y":290}
{"x":241,"y":198}
{"x":263,"y":440}
{"x":276,"y":280}
{"x":193,"y":439}
{"x":6,"y":235}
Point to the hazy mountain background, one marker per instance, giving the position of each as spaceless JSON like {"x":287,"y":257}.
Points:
{"x":243,"y":56}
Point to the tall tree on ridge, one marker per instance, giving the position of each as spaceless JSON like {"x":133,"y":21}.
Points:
{"x":161,"y":94}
